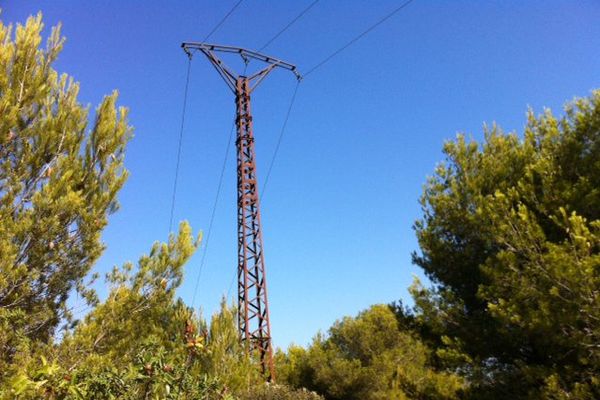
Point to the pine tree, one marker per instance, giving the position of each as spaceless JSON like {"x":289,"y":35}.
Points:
{"x":59,"y":179}
{"x":511,"y":239}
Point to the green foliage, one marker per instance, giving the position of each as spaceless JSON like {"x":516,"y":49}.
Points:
{"x":151,"y":376}
{"x":141,"y":307}
{"x":224,"y":356}
{"x":367,"y":357}
{"x":59,"y":181}
{"x":511,"y":239}
{"x":278,"y":392}
{"x":142,"y":342}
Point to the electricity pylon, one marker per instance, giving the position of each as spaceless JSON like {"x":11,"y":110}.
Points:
{"x":253,"y":306}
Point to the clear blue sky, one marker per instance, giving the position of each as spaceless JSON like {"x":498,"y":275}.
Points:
{"x":366,"y":130}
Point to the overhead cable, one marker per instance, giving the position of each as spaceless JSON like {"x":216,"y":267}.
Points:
{"x":318,"y":65}
{"x":212,"y":215}
{"x":222,"y":21}
{"x":214,"y":208}
{"x":287,"y":116}
{"x":355,"y":39}
{"x":285,"y":28}
{"x":185,"y":96}
{"x":281,"y":133}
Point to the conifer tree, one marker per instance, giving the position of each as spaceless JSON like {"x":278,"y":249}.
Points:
{"x":510,"y":237}
{"x":59,"y":179}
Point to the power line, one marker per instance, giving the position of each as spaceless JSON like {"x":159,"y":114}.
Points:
{"x":285,"y":28}
{"x":222,"y":20}
{"x":185,"y":96}
{"x":281,"y":134}
{"x":231,"y":285}
{"x":328,"y":58}
{"x":212,"y":215}
{"x":287,"y":116}
{"x":210,"y":225}
{"x":267,"y":44}
{"x":271,"y":165}
{"x":355,"y":39}
{"x":321,"y":63}
{"x":217,"y":196}
{"x":214,"y":209}
{"x":283,"y":128}
{"x":285,"y":121}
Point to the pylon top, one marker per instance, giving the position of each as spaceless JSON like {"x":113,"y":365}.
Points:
{"x":226,"y":73}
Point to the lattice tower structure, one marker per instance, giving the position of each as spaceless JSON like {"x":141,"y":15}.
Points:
{"x":253,"y":305}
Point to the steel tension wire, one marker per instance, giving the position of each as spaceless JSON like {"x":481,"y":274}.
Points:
{"x":214,"y":208}
{"x":185,"y":97}
{"x":222,"y":21}
{"x":292,"y":22}
{"x":283,"y":128}
{"x":357,"y":38}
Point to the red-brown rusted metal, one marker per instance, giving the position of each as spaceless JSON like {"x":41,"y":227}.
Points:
{"x":253,"y":305}
{"x":253,"y":317}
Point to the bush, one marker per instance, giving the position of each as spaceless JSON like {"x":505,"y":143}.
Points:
{"x":279,"y":392}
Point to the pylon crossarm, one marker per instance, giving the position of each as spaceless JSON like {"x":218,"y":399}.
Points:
{"x":244,"y":53}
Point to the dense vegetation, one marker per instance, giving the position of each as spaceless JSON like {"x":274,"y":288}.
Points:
{"x":372,"y":356}
{"x":509,"y":237}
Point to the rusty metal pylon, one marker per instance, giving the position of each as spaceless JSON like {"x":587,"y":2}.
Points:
{"x":253,"y":306}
